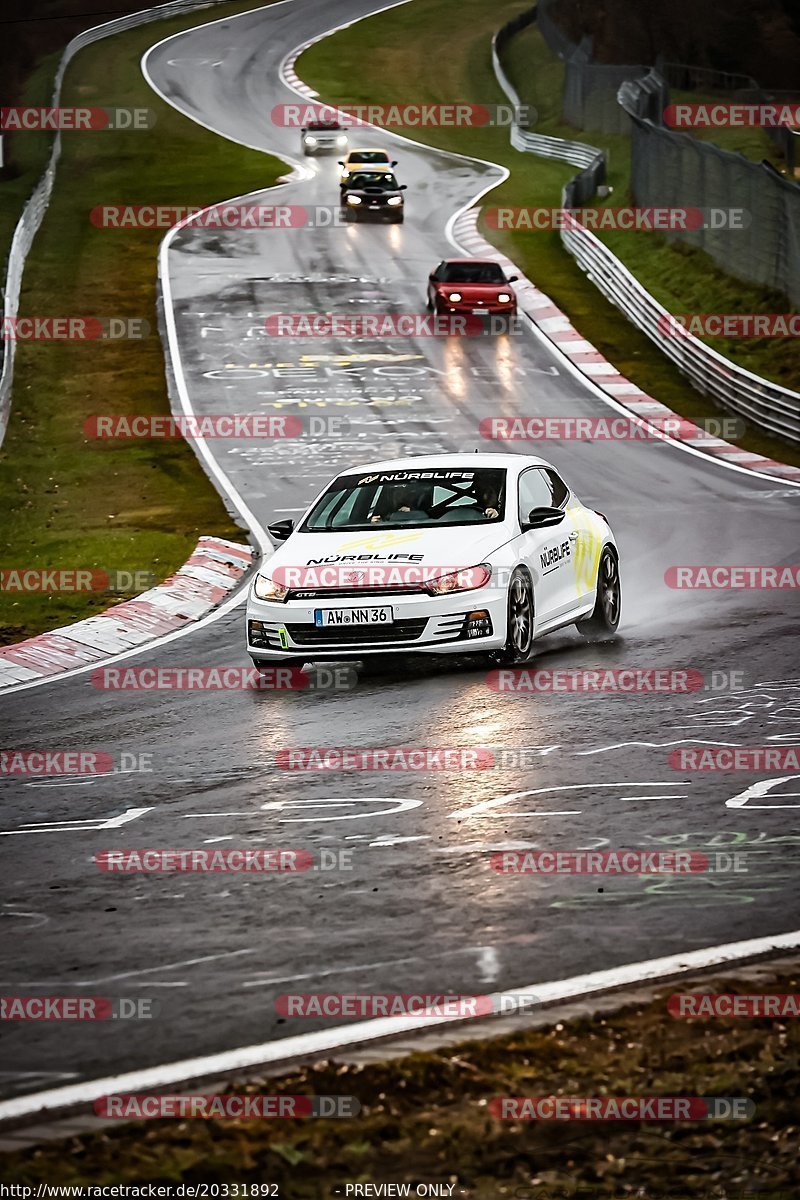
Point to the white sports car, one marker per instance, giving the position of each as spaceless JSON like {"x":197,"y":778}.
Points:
{"x":442,"y":555}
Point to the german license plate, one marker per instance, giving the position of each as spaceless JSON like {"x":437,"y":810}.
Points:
{"x":327,"y":617}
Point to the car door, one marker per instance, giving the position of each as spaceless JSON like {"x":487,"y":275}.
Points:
{"x":549,"y":551}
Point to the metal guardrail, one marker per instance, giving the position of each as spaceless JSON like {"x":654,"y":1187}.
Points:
{"x":36,"y":206}
{"x":765,"y":404}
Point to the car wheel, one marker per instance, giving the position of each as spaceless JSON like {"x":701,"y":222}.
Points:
{"x":604,"y":618}
{"x":519,"y":620}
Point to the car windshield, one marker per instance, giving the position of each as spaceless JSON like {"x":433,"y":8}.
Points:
{"x":488,"y":272}
{"x":368,"y":156}
{"x":439,"y":496}
{"x":365,"y":179}
{"x":323,"y":125}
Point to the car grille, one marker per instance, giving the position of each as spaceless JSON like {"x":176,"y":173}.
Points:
{"x":357,"y":635}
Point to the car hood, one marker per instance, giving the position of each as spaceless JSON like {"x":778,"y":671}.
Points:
{"x":449,"y":546}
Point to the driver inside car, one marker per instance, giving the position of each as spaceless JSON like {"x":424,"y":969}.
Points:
{"x":400,"y":504}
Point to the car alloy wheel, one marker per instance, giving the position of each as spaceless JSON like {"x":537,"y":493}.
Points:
{"x":519,"y":622}
{"x":604,"y":618}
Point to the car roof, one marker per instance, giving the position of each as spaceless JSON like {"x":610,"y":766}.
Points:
{"x":449,"y":462}
{"x":367,"y":150}
{"x":473,"y":261}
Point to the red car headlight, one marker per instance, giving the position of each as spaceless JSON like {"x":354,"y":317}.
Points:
{"x":465,"y":580}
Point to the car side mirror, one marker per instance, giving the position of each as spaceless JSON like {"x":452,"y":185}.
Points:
{"x":403,"y":187}
{"x":280,"y":530}
{"x":512,"y":278}
{"x":340,"y":162}
{"x":542,"y":518}
{"x":394,"y":163}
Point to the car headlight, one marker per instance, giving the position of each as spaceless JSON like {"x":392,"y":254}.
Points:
{"x":353,"y":199}
{"x":504,"y":297}
{"x":465,"y":580}
{"x":267,"y":589}
{"x":341,"y":140}
{"x":454,"y":296}
{"x":310,"y":141}
{"x":395,"y":200}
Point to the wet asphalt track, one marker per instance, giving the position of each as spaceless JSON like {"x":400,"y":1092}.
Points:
{"x":420,"y":908}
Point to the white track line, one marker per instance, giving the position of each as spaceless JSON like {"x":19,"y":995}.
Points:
{"x":323,"y":1042}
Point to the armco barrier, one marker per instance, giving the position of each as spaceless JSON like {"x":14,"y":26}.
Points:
{"x":765,"y":404}
{"x":34,"y":210}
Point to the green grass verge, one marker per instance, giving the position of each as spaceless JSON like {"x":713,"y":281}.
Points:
{"x":395,"y":44}
{"x":424,"y":1119}
{"x":69,"y":502}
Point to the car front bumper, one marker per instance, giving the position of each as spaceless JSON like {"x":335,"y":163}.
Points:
{"x":422,"y":625}
{"x":468,"y":308}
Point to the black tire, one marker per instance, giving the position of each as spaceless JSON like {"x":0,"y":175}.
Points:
{"x":604,"y":619}
{"x":519,"y":620}
{"x":428,"y":302}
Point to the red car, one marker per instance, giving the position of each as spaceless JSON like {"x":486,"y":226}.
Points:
{"x":471,"y":285}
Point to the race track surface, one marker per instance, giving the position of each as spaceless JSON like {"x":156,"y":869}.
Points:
{"x":420,"y":908}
